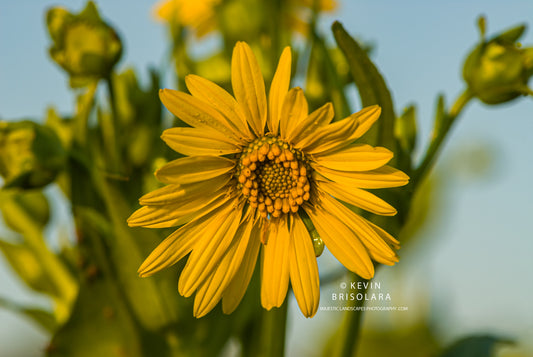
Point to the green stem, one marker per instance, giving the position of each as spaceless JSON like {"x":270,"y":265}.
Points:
{"x":351,"y":327}
{"x":273,"y":323}
{"x":183,"y":63}
{"x":85,"y":104}
{"x":439,"y":136}
{"x":110,"y":129}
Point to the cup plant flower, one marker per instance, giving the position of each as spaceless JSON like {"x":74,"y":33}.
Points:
{"x":255,"y":169}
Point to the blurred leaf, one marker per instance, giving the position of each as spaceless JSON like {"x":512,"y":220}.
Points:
{"x":512,"y":35}
{"x":41,"y":317}
{"x":99,"y":325}
{"x":411,"y":341}
{"x":128,"y":250}
{"x":474,"y":346}
{"x":425,"y":206}
{"x":28,"y":267}
{"x":53,"y":267}
{"x":371,"y":86}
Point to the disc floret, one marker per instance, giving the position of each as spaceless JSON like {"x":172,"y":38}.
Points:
{"x":273,"y":176}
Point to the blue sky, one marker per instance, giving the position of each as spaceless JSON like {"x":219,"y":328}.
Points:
{"x":477,"y":259}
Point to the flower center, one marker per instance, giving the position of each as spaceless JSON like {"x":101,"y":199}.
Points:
{"x":273,"y":176}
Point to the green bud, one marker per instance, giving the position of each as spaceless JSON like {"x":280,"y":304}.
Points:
{"x":498,"y":70}
{"x":33,"y":202}
{"x":31,"y":155}
{"x":83,"y":45}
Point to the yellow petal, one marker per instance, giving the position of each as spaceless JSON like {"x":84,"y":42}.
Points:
{"x":210,"y":293}
{"x":365,"y":118}
{"x":171,"y":250}
{"x":357,"y":197}
{"x":238,"y":285}
{"x":193,"y":169}
{"x":196,"y":113}
{"x":209,"y":250}
{"x":222,"y":101}
{"x":293,"y":112}
{"x":303,"y":269}
{"x":340,"y":133}
{"x":278,"y":90}
{"x":359,"y":157}
{"x":275,"y":265}
{"x":360,"y":226}
{"x":176,"y":214}
{"x":387,"y":238}
{"x":192,"y":141}
{"x":249,"y":86}
{"x":341,"y":242}
{"x":327,"y":137}
{"x":319,"y":118}
{"x":383,"y":177}
{"x":173,"y":193}
{"x":180,"y":243}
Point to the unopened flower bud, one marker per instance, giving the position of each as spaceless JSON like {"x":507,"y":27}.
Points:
{"x":33,"y":203}
{"x":83,"y":45}
{"x":31,"y":155}
{"x":498,"y":70}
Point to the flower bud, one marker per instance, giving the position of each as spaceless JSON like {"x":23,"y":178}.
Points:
{"x":33,"y":203}
{"x":498,"y":70}
{"x":83,"y":45}
{"x":31,"y":155}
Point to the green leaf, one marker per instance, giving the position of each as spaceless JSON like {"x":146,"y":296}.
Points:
{"x":128,"y":248}
{"x":474,"y":346}
{"x":98,"y":326}
{"x":371,"y":86}
{"x":52,"y":266}
{"x":406,"y":130}
{"x":511,"y":36}
{"x":28,"y":267}
{"x":41,"y":317}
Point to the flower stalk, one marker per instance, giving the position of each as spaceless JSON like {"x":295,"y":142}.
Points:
{"x":440,"y":133}
{"x":350,"y":330}
{"x":273,"y":329}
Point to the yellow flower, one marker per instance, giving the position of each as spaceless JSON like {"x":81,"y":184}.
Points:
{"x":198,"y":14}
{"x":255,"y":167}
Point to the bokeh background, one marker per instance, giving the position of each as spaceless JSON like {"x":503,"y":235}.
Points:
{"x":467,"y":270}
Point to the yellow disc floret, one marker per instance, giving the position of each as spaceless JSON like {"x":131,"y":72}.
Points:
{"x":273,"y":176}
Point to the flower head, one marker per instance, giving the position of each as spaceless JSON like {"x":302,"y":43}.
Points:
{"x":199,"y":14}
{"x":255,"y":169}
